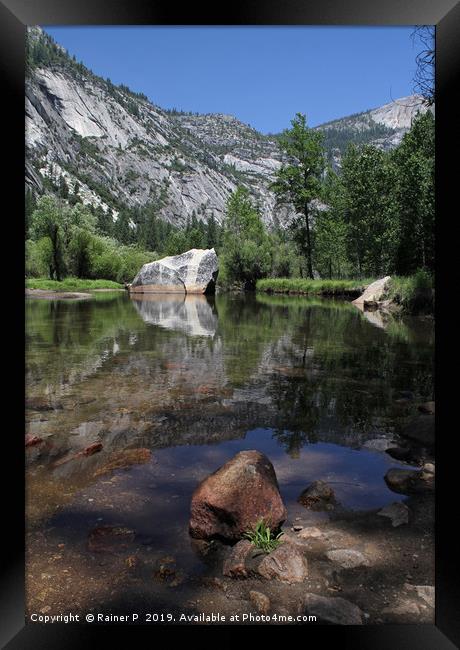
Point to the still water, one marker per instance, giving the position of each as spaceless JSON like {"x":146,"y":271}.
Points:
{"x":316,"y":385}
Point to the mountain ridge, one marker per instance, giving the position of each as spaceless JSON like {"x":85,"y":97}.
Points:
{"x":117,"y":149}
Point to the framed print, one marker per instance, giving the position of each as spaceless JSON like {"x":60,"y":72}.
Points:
{"x":231,"y":249}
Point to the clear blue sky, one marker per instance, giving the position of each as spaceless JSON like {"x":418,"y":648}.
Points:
{"x":262,"y":75}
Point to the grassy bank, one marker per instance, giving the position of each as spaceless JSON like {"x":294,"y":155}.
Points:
{"x":303,"y":286}
{"x":414,"y":293}
{"x":71,"y":284}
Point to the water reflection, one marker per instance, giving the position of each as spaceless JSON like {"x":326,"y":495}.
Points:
{"x":169,"y":372}
{"x":192,"y":314}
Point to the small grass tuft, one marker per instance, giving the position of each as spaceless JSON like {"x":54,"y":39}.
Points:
{"x":262,"y":537}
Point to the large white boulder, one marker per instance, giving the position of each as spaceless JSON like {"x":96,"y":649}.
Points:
{"x":192,"y":272}
{"x":373,"y":293}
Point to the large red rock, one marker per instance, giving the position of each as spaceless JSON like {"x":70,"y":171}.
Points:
{"x":233,"y":499}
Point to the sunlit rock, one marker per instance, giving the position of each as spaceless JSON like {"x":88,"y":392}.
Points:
{"x":373,"y":293}
{"x":192,"y":272}
{"x":232,"y":500}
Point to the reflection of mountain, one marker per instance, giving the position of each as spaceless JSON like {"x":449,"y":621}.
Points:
{"x":193,"y":315}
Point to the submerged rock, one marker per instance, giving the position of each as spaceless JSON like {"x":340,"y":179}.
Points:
{"x":397,"y":512}
{"x":110,"y":539}
{"x":192,"y":272}
{"x":232,"y":500}
{"x":124,"y":459}
{"x":335,"y":611}
{"x":286,"y":563}
{"x":318,"y":496}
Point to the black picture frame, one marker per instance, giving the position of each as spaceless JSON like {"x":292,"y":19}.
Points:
{"x":15,"y":15}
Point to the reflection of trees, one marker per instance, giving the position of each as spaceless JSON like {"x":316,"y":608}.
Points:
{"x":328,"y":373}
{"x":246,"y":328}
{"x":349,"y":372}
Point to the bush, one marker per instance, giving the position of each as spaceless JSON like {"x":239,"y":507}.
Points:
{"x":415,"y":293}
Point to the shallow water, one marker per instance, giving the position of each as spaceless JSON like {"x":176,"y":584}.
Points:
{"x":311,"y":383}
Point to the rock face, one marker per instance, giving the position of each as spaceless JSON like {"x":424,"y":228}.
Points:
{"x":82,"y":128}
{"x":233,"y":499}
{"x":373,"y":294}
{"x":192,"y":272}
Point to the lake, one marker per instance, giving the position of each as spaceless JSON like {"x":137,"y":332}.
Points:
{"x":173,"y":387}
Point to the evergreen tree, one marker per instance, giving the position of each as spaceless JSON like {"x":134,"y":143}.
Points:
{"x":298,"y":182}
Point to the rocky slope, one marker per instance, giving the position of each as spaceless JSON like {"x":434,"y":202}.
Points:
{"x":114,"y":148}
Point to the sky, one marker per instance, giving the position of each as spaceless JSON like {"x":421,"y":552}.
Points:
{"x":261,"y":75}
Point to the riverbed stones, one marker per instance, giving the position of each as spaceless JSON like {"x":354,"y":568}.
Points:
{"x":232,"y":500}
{"x":410,"y":481}
{"x":397,"y":512}
{"x":347,"y":558}
{"x":194,"y":271}
{"x":318,"y":496}
{"x":286,"y":563}
{"x":334,"y":611}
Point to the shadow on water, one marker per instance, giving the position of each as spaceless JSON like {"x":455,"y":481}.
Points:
{"x":194,"y":380}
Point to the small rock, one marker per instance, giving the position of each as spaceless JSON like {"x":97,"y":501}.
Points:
{"x":421,"y":428}
{"x":398,"y":513}
{"x":166,"y":570}
{"x":426,"y":593}
{"x":235,"y":564}
{"x":378,"y":444}
{"x":347,"y":558}
{"x":92,"y":449}
{"x":311,"y":531}
{"x":261,"y":601}
{"x":318,"y":496}
{"x":286,"y":563}
{"x":31,"y":441}
{"x":335,"y":611}
{"x":296,"y":528}
{"x":110,"y":539}
{"x":427,"y":407}
{"x":400,"y":453}
{"x":409,"y":481}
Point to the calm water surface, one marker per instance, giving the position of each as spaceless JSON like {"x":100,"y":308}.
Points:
{"x":311,"y":383}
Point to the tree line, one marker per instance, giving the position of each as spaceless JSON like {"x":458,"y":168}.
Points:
{"x":374,"y":217}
